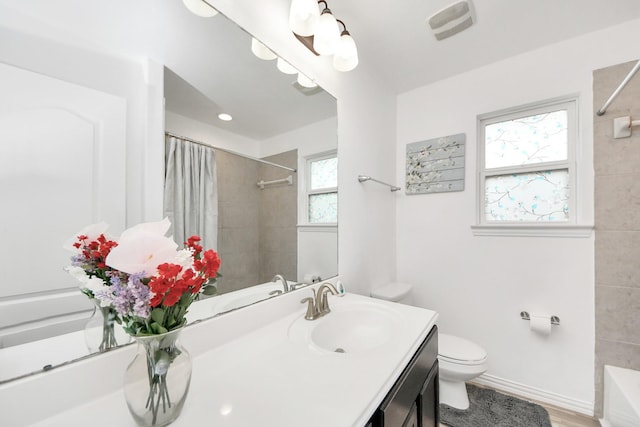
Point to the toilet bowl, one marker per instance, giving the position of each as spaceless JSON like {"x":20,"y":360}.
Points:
{"x":459,"y":360}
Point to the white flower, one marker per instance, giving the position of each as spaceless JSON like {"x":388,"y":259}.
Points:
{"x":77,"y":273}
{"x":184,"y":258}
{"x":142,"y":248}
{"x":92,"y":232}
{"x":95,"y":284}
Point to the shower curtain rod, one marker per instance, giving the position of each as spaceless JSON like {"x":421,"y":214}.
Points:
{"x":615,"y":93}
{"x":235,"y":153}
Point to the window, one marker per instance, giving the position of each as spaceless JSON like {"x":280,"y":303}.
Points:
{"x":526,"y":165}
{"x":322,"y":189}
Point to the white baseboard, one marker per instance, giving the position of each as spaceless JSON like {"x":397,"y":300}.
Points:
{"x":575,"y":405}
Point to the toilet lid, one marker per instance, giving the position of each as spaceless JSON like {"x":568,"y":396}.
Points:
{"x":457,"y":348}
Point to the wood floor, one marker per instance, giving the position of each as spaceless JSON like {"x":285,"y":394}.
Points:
{"x":559,"y":417}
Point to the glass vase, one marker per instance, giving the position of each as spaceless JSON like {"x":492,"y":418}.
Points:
{"x":157,"y":381}
{"x":102,"y":332}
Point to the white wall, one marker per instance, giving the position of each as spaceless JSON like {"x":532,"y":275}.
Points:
{"x":480,"y":284}
{"x":366,"y":134}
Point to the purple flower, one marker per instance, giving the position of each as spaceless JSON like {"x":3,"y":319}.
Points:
{"x":129,"y":298}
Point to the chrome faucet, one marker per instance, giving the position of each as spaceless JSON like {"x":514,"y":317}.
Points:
{"x":318,"y":305}
{"x":285,"y":285}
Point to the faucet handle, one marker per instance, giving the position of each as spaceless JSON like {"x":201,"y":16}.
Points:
{"x":311,"y":308}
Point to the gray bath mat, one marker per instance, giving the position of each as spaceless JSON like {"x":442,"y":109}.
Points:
{"x":488,"y":408}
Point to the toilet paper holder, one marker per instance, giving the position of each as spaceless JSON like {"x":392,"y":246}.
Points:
{"x":555,"y":320}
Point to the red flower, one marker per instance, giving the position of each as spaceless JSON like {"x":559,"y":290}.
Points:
{"x":192,"y":243}
{"x":211,"y":263}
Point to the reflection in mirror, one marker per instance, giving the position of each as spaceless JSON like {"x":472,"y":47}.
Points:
{"x":64,"y":167}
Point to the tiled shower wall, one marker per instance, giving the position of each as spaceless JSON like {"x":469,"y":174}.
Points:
{"x":257,"y":235}
{"x":617,"y":227}
{"x":238,"y":222}
{"x":279,"y":219}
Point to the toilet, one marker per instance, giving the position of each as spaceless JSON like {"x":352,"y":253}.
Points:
{"x":459,"y":360}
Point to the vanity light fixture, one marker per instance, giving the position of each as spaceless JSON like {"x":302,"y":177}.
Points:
{"x":305,"y":81}
{"x":326,"y":37}
{"x":346,"y":56}
{"x":322,"y":36}
{"x":303,"y":17}
{"x":261,"y":51}
{"x":200,"y":8}
{"x":225,"y":117}
{"x":285,"y":67}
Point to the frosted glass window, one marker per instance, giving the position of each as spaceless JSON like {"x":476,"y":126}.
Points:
{"x":321,"y":172}
{"x":527,"y":164}
{"x":324,"y":173}
{"x":527,"y":140}
{"x":323,"y":208}
{"x":532,"y":197}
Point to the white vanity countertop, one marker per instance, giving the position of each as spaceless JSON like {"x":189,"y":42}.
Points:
{"x":265,"y":378}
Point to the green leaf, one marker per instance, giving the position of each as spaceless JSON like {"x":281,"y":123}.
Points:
{"x":158,"y":329}
{"x":210,"y":290}
{"x":157,"y":315}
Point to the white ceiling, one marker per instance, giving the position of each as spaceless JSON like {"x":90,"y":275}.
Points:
{"x":393,"y":39}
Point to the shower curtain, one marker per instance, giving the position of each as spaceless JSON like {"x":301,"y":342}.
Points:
{"x":190,"y":191}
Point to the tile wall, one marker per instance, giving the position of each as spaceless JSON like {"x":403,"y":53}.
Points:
{"x":279,"y":219}
{"x":617,"y":225}
{"x":257,"y":235}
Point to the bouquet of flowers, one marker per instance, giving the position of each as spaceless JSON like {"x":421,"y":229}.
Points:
{"x":149,"y":284}
{"x":143,"y":276}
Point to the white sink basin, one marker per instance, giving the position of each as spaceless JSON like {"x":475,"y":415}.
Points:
{"x":350,"y":328}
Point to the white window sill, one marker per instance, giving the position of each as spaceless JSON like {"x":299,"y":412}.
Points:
{"x":533,"y":230}
{"x":318,"y":227}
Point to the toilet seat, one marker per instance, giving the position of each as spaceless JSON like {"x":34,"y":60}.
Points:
{"x":458,"y":350}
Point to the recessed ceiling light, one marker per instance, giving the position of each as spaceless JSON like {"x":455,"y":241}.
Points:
{"x":225,"y":117}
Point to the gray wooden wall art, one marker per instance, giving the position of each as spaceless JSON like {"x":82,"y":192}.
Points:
{"x":436,"y":165}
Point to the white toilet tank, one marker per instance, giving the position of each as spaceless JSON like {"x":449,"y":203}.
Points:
{"x":396,"y":292}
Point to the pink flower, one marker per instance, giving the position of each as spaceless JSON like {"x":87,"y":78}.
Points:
{"x":142,"y":248}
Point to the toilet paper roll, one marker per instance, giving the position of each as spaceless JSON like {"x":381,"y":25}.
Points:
{"x":540,"y":323}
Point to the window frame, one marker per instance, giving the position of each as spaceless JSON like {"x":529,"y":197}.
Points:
{"x":308,"y":192}
{"x":569,"y":228}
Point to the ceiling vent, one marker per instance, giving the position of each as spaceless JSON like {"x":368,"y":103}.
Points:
{"x":452,"y":19}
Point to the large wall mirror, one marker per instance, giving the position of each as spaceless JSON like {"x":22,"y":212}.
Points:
{"x":275,"y":190}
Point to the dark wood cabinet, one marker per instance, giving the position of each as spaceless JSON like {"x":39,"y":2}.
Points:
{"x":413,"y":399}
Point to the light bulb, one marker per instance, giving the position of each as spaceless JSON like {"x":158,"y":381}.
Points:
{"x":305,"y":81}
{"x":303,"y":17}
{"x":200,"y":8}
{"x":225,"y":117}
{"x":327,"y":35}
{"x":261,"y":51}
{"x":285,"y":67}
{"x":346,"y":56}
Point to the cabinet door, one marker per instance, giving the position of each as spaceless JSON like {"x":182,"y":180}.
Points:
{"x":429,"y":400}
